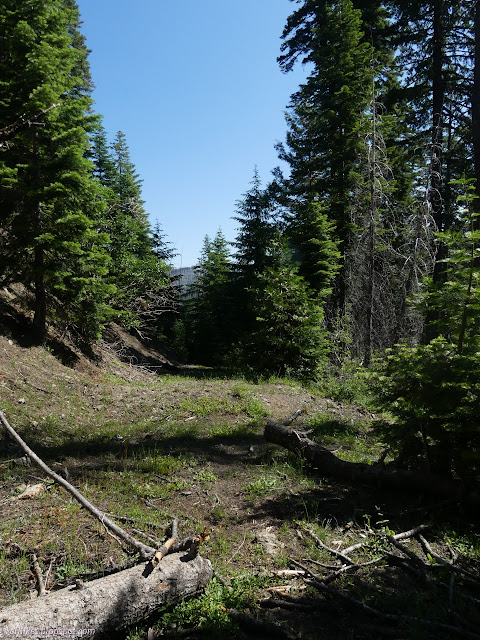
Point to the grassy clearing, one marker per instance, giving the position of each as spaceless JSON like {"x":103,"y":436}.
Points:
{"x":191,"y":447}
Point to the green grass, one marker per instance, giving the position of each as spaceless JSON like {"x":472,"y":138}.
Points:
{"x":262,"y":486}
{"x":209,"y":611}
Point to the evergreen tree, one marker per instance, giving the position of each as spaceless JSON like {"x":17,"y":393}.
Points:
{"x":315,"y":247}
{"x":287,"y":337}
{"x":48,"y":199}
{"x":210,"y":308}
{"x":101,"y":156}
{"x":144,"y":291}
{"x":255,"y":233}
{"x":161,"y":246}
{"x":433,"y":388}
{"x":326,"y":132}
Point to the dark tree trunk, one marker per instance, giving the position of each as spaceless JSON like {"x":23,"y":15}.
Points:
{"x":476,"y":108}
{"x":40,"y":309}
{"x":329,"y":465}
{"x":40,"y":315}
{"x":436,"y":187}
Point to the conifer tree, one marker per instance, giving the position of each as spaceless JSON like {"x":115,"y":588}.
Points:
{"x":48,"y":199}
{"x":433,"y":388}
{"x":287,"y":337}
{"x":210,"y":308}
{"x":325,"y":135}
{"x":256,"y":231}
{"x":141,"y":275}
{"x":315,"y":247}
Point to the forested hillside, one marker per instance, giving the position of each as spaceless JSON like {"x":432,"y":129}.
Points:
{"x":354,"y":274}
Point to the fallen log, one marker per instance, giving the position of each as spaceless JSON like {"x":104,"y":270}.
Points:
{"x":357,"y":472}
{"x":108,"y":604}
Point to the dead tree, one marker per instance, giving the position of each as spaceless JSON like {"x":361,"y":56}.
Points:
{"x":108,"y":604}
{"x":377,"y":475}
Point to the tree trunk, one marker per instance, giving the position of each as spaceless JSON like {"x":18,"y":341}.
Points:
{"x":436,"y":190}
{"x":40,"y":312}
{"x":329,"y":465}
{"x":476,"y":110}
{"x":107,"y":604}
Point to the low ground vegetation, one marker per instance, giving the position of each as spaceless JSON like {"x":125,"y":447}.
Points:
{"x":146,"y":448}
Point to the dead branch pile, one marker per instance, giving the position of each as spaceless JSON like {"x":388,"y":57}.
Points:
{"x":390,"y":550}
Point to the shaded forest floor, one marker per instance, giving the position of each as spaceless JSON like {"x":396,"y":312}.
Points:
{"x":147,"y":441}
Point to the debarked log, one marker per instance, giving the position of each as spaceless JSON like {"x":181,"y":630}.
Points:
{"x":328,"y":464}
{"x":107,"y":604}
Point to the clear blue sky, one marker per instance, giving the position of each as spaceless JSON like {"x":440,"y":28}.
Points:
{"x":195,"y":86}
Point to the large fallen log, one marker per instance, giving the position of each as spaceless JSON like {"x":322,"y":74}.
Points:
{"x":357,"y":472}
{"x":108,"y":604}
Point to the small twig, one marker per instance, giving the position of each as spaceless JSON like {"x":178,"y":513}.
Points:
{"x":145,"y":536}
{"x":236,"y":552}
{"x":344,"y":558}
{"x":307,"y":570}
{"x":350,"y":568}
{"x":39,"y":575}
{"x":429,"y":551}
{"x":398,"y":536}
{"x":274,"y":603}
{"x":135,"y":521}
{"x":418,"y":562}
{"x":47,"y":575}
{"x":292,"y":418}
{"x":165,"y":548}
{"x":289,"y":573}
{"x":223,"y":581}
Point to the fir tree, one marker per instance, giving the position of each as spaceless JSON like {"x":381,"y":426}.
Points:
{"x":255,"y":233}
{"x":48,"y":199}
{"x":433,"y":388}
{"x":287,"y":337}
{"x":325,"y":135}
{"x":144,"y":291}
{"x":315,"y":248}
{"x":211,"y":305}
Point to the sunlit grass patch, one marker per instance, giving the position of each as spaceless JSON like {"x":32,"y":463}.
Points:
{"x":205,"y":475}
{"x":209,"y":611}
{"x":260,"y":487}
{"x":206,"y":405}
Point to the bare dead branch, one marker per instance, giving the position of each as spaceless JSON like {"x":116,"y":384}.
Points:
{"x":398,"y":536}
{"x":39,"y":575}
{"x":429,"y":552}
{"x":23,"y":122}
{"x":144,"y":550}
{"x":357,"y":604}
{"x":338,"y":554}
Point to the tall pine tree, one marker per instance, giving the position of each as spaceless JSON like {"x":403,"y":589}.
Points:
{"x":48,"y":199}
{"x":326,"y":133}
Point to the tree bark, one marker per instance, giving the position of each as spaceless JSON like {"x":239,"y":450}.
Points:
{"x":476,"y":109}
{"x":329,"y":465}
{"x":108,"y":604}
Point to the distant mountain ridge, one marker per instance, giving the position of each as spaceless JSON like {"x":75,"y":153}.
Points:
{"x":185,"y":275}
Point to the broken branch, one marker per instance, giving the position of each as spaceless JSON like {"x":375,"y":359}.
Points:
{"x":144,"y":550}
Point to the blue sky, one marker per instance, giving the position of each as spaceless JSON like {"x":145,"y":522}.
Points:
{"x":195,"y":86}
